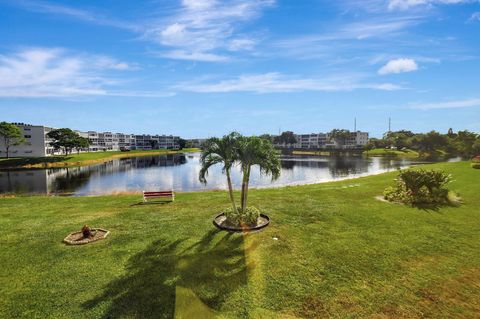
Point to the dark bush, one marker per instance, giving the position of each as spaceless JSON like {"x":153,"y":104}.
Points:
{"x":87,"y":231}
{"x":419,"y":187}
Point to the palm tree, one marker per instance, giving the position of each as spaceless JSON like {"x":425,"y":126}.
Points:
{"x":220,"y":150}
{"x":256,"y":151}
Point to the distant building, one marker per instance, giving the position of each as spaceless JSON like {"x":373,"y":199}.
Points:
{"x":38,"y":144}
{"x":324,"y":141}
{"x":196,"y":142}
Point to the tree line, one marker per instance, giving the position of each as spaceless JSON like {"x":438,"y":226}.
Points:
{"x":464,"y":143}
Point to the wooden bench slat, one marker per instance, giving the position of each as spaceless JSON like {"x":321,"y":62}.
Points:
{"x":158,"y":193}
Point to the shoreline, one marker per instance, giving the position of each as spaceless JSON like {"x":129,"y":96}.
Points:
{"x":61,"y":164}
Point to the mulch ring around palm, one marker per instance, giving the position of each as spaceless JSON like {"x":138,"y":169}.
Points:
{"x":220,"y":221}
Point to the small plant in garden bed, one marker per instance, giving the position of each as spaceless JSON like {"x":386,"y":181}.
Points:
{"x":248,"y":217}
{"x":420,"y":187}
{"x":87,"y":232}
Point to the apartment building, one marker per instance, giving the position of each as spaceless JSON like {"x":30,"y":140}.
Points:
{"x":325,"y":141}
{"x":38,"y":144}
{"x":149,"y":142}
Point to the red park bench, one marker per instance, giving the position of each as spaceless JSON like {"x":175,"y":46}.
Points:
{"x":167,"y":195}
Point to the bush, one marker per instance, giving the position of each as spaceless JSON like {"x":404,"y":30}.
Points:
{"x":249,"y":217}
{"x":476,"y":165}
{"x":419,"y":187}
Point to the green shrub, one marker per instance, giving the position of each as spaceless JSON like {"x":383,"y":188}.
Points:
{"x":476,"y":165}
{"x":248,"y":217}
{"x":419,"y":187}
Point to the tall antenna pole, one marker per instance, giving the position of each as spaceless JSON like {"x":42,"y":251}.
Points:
{"x":389,"y":124}
{"x":355,"y":125}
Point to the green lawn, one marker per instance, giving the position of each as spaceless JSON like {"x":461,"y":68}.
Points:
{"x":340,"y":253}
{"x":79,"y":159}
{"x":390,"y":152}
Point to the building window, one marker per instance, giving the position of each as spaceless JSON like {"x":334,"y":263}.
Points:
{"x":27,"y":136}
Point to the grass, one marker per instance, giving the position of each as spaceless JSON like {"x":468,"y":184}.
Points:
{"x":389,"y":152}
{"x":79,"y":159}
{"x":340,"y":253}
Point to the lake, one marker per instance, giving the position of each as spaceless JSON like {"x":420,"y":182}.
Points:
{"x":180,"y":172}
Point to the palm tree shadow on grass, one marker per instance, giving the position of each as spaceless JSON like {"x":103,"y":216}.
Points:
{"x":212,"y":269}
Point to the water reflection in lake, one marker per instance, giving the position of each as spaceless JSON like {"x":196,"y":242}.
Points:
{"x":180,"y":172}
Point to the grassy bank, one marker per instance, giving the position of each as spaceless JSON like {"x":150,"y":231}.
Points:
{"x":389,"y":152}
{"x":339,"y":253}
{"x":78,"y":159}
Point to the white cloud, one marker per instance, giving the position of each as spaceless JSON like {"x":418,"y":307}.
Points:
{"x":345,"y":42}
{"x":193,"y":56}
{"x":201,"y":28}
{"x":449,"y":104}
{"x":398,"y":66}
{"x":47,"y":72}
{"x":278,"y":83}
{"x":84,"y":15}
{"x":241,"y":44}
{"x":407,"y":4}
{"x":475,"y":17}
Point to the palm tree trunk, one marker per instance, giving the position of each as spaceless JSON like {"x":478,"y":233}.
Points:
{"x":246,"y":187}
{"x":230,"y":191}
{"x":244,"y":179}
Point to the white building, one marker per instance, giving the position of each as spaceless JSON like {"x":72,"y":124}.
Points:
{"x":37,"y":144}
{"x":325,"y":141}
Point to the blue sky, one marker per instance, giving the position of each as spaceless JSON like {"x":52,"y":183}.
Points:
{"x":199,"y":68}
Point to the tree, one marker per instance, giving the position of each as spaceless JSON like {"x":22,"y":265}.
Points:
{"x":11,"y":135}
{"x":464,"y":142}
{"x":81,"y":142}
{"x":399,"y":139}
{"x":182,"y":143}
{"x":287,"y":137}
{"x":220,"y":151}
{"x":476,"y":148}
{"x":256,"y":151}
{"x":430,"y":142}
{"x":340,"y":136}
{"x":153,"y":144}
{"x":270,"y":138}
{"x":451,"y":134}
{"x":63,"y":138}
{"x":376,"y":143}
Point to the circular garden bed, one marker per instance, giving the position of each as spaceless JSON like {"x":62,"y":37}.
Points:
{"x":77,"y":238}
{"x":220,"y":221}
